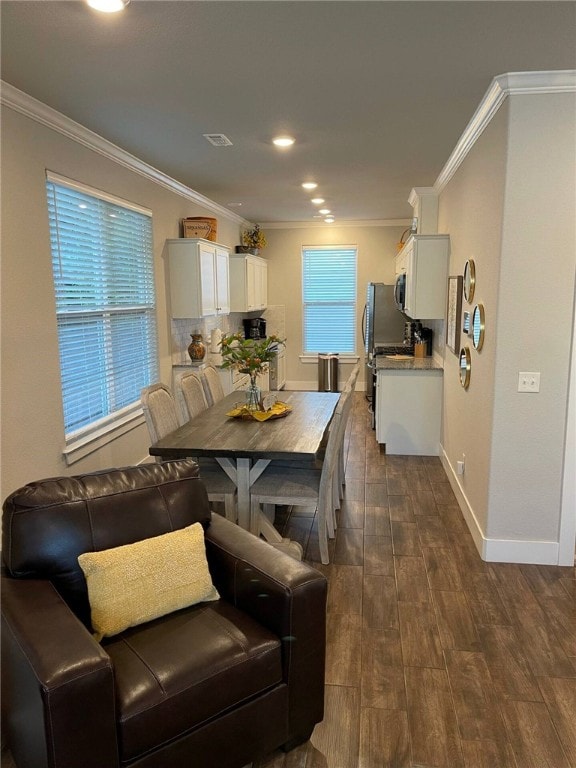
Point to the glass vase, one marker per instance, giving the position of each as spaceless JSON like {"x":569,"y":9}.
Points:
{"x":253,"y":395}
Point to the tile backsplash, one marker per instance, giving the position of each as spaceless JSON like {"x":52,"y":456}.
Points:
{"x":182,"y":328}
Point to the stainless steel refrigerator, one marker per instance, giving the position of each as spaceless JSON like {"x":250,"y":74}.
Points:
{"x":382,"y":326}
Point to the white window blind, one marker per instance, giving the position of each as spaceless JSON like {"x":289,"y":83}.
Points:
{"x":329,"y":299}
{"x":102,"y":260}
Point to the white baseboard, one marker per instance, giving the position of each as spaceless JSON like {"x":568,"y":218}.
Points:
{"x":498,"y":550}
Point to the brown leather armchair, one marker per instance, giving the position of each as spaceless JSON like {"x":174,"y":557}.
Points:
{"x":215,"y":685}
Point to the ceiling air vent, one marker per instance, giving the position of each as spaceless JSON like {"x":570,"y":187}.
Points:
{"x":218,"y":139}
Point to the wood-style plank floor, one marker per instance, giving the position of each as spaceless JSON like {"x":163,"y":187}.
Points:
{"x":435,"y":659}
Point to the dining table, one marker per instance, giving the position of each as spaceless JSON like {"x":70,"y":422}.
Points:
{"x":244,"y":447}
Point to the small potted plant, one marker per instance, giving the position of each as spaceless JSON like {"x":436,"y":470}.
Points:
{"x":253,"y":240}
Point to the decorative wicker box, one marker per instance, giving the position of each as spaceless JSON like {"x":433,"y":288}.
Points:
{"x":200,"y":226}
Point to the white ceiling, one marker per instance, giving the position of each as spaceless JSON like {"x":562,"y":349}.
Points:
{"x":376,"y":93}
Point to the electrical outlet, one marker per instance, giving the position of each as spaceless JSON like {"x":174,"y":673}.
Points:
{"x":529,"y":381}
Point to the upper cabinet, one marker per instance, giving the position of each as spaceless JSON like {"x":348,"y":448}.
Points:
{"x":425,"y":260}
{"x":249,"y":283}
{"x":199,"y":278}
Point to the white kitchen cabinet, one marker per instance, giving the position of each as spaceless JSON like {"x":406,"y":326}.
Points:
{"x":401,"y":262}
{"x":409,"y":411}
{"x":425,"y":260}
{"x":248,"y":283}
{"x":278,"y":371}
{"x":199,"y":278}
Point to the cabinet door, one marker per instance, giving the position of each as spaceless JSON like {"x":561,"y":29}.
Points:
{"x":222,"y":282}
{"x":251,"y":284}
{"x":400,"y":263}
{"x":207,"y":280}
{"x":263,"y":283}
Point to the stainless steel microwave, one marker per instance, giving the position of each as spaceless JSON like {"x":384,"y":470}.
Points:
{"x":400,"y":291}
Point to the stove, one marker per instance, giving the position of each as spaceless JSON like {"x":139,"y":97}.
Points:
{"x":394,"y":349}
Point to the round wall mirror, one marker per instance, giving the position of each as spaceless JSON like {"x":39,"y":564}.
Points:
{"x":478,"y":326}
{"x":469,"y":280}
{"x":465,"y":367}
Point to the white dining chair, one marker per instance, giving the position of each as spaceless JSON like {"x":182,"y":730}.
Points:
{"x":161,"y":417}
{"x":286,"y":485}
{"x":213,"y":389}
{"x":190,"y":393}
{"x":340,"y":475}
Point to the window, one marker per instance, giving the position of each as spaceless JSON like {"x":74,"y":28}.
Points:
{"x":329,"y":298}
{"x":102,"y":261}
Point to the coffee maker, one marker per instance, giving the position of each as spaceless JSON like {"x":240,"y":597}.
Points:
{"x":254,"y":328}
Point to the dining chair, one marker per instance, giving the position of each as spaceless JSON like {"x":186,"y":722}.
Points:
{"x":285,"y":485}
{"x":161,"y":416}
{"x":190,"y":393}
{"x":213,"y":389}
{"x":340,"y":475}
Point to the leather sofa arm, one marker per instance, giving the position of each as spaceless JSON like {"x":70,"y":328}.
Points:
{"x":58,"y":684}
{"x":284,"y":595}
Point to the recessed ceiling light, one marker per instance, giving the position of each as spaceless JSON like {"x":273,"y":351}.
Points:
{"x":108,"y":6}
{"x":283,"y":141}
{"x":329,"y":219}
{"x":317,"y":200}
{"x":234,"y":205}
{"x":324,"y":210}
{"x":309,"y":185}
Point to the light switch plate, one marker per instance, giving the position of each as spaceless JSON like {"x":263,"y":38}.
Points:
{"x":529,"y":381}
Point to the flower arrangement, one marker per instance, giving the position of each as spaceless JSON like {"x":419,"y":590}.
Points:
{"x":254,"y":238}
{"x":249,"y":355}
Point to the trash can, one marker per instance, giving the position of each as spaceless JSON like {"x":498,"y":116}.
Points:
{"x":328,"y":372}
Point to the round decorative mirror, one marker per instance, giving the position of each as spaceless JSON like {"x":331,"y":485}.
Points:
{"x":469,"y":280}
{"x":478,"y":326}
{"x":465,"y":367}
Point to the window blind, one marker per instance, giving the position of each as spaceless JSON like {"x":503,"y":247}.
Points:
{"x":102,"y":261}
{"x":329,"y":299}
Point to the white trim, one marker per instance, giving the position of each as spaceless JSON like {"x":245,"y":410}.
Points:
{"x":56,"y":178}
{"x":42,"y":113}
{"x":343,"y":357}
{"x":498,"y":550}
{"x":84,"y":446}
{"x":567,"y":529}
{"x":336,"y":224}
{"x":529,"y":552}
{"x":510,"y":84}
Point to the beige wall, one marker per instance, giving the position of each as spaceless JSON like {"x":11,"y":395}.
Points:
{"x":510,"y":207}
{"x":470,"y":210}
{"x":31,"y":406}
{"x":376,"y":254}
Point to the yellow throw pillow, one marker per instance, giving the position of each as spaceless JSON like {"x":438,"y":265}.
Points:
{"x":138,"y":582}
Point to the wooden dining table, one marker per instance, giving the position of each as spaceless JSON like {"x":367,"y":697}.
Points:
{"x":244,"y":448}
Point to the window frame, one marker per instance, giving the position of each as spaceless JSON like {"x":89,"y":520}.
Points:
{"x":78,"y":443}
{"x":312,"y":356}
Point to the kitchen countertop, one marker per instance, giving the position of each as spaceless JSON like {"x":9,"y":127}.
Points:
{"x":392,"y":363}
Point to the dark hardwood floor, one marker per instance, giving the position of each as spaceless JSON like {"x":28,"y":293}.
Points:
{"x":435,"y":659}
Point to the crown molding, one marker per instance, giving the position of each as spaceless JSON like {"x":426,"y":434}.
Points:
{"x":36,"y":110}
{"x":502,"y":86}
{"x":336,"y":224}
